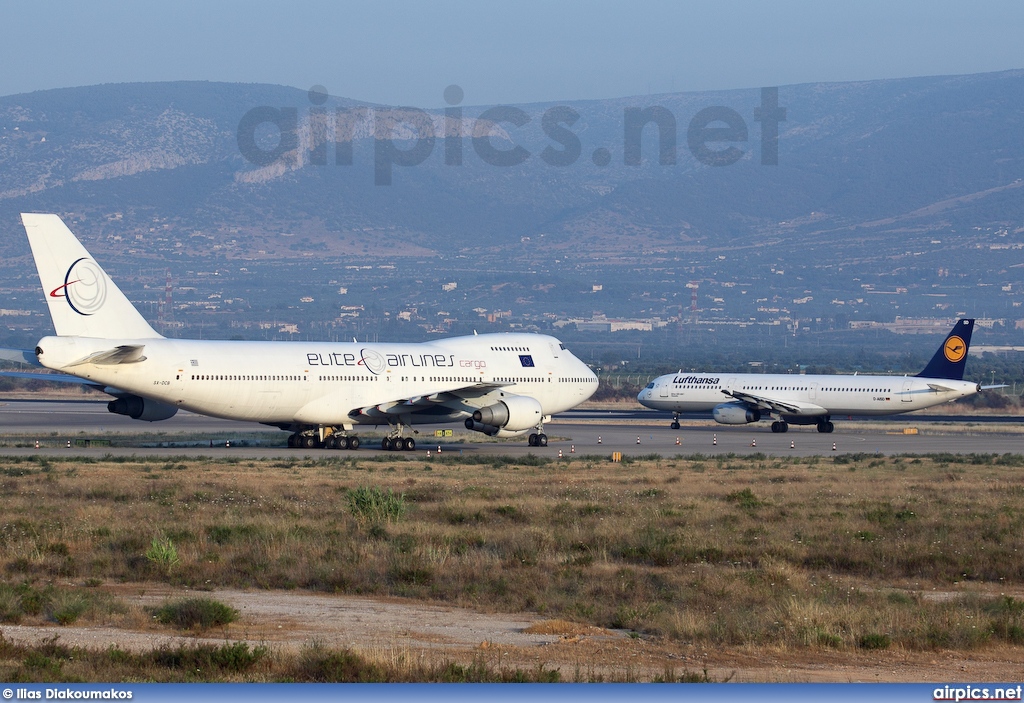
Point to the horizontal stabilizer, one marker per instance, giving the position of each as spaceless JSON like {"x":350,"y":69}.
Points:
{"x":54,"y":378}
{"x":21,"y":356}
{"x":124,"y":354}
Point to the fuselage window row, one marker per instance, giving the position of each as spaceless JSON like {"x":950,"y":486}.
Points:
{"x":240,"y":377}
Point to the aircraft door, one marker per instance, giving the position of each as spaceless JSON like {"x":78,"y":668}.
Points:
{"x":905,"y":395}
{"x":814,"y":391}
{"x":663,"y":389}
{"x":730,"y":384}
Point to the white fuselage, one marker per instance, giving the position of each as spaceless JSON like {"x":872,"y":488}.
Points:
{"x":834,"y":394}
{"x":319,"y":383}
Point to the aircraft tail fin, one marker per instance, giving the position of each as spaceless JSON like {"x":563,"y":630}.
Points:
{"x":951,"y":358}
{"x":82,"y":300}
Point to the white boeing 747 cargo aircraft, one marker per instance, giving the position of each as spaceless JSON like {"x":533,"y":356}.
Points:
{"x":740,"y":398}
{"x":503,"y":385}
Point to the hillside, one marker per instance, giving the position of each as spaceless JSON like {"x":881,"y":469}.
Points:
{"x":915,"y":156}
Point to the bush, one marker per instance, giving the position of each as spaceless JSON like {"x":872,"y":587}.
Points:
{"x":376,"y":505}
{"x":163,"y":552}
{"x":238,"y":656}
{"x":195,"y":613}
{"x":322,"y":665}
{"x":874,"y":640}
{"x":67,"y":606}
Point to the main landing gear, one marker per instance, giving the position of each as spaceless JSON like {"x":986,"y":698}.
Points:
{"x":398,"y":444}
{"x":538,"y":439}
{"x":395,"y":442}
{"x":780,"y":426}
{"x":825,"y":425}
{"x":310,"y":439}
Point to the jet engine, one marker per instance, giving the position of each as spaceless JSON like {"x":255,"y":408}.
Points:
{"x":514,"y":412}
{"x":735,"y":414}
{"x":138,"y":408}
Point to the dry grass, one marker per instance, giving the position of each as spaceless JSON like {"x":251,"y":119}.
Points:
{"x":828,"y":552}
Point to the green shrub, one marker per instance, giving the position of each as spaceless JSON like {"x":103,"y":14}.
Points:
{"x":376,"y":505}
{"x":163,"y":552}
{"x":874,"y":640}
{"x":322,"y":665}
{"x":10,"y":604}
{"x":237,"y":656}
{"x":195,"y":613}
{"x":67,"y":606}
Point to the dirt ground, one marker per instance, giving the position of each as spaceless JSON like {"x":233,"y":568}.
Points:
{"x":386,"y":628}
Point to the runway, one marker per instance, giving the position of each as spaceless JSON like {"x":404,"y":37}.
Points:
{"x":588,"y":432}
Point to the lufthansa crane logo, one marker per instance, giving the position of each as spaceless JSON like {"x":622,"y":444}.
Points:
{"x":84,"y":287}
{"x":954,"y":349}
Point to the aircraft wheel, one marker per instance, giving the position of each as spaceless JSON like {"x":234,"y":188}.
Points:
{"x":353,"y":443}
{"x":675,"y":425}
{"x":331,"y":442}
{"x":777,"y":427}
{"x":385,"y":444}
{"x":410,"y":444}
{"x":292,"y":441}
{"x":309,"y":442}
{"x":542,"y":440}
{"x":533,"y":439}
{"x":829,"y":427}
{"x":785,"y":426}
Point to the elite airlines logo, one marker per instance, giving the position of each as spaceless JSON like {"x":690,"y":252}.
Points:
{"x":84,"y":287}
{"x":372,"y":361}
{"x":954,"y":349}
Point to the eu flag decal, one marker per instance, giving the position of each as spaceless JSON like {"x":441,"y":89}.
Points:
{"x":526,"y":360}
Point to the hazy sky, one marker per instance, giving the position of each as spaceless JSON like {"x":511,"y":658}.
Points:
{"x":403,"y":52}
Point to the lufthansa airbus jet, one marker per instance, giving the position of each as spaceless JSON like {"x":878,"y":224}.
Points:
{"x":503,"y":385}
{"x":739,"y":399}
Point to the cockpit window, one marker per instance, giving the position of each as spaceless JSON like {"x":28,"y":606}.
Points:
{"x":651,"y":384}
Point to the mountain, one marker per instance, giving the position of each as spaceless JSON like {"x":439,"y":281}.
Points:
{"x":275,"y":209}
{"x":864,"y":167}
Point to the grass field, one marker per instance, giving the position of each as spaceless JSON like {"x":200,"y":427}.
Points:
{"x":839,"y":553}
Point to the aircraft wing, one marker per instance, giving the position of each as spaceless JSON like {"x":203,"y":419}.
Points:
{"x":448,"y":401}
{"x":450,"y":397}
{"x":783,"y":407}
